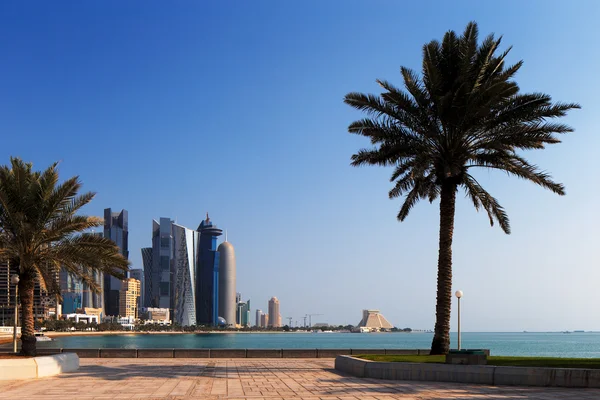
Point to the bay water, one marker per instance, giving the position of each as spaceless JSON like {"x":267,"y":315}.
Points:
{"x":555,"y":344}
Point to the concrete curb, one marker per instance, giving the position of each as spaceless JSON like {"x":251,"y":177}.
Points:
{"x":38,"y":367}
{"x":479,"y":374}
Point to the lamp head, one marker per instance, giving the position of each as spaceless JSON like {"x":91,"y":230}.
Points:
{"x":14,"y":279}
{"x":458,"y":294}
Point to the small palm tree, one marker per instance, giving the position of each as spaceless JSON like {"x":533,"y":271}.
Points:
{"x":465,"y":112}
{"x":40,"y":233}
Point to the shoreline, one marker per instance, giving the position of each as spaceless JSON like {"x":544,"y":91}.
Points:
{"x":52,"y":334}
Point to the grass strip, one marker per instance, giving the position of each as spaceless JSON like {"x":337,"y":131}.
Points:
{"x":549,"y":362}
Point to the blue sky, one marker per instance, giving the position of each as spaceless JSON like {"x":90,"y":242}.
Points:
{"x":235,"y":108}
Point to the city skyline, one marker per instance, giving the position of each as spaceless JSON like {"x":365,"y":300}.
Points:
{"x":158,"y":87}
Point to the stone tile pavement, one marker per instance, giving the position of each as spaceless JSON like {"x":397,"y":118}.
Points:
{"x":254,"y":379}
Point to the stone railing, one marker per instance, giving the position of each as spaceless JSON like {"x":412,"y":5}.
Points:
{"x":228,"y":353}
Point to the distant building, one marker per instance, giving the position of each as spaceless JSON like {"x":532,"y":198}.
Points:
{"x":116,"y":228}
{"x":184,"y":267}
{"x":274,"y":315}
{"x":157,"y":315}
{"x":264,"y":320}
{"x":227,"y":280}
{"x":170,"y":270}
{"x":243,"y":313}
{"x":129,"y":297}
{"x":127,"y":322}
{"x":43,"y":303}
{"x":207,"y":279}
{"x":82,"y":318}
{"x":373,"y":320}
{"x":139,"y":275}
{"x":259,"y":313}
{"x":147,"y":299}
{"x":71,"y":291}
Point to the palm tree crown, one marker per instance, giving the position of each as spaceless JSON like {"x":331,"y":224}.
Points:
{"x":40,"y":233}
{"x":463,"y":112}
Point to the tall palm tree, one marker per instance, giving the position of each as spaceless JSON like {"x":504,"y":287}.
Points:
{"x":40,"y":233}
{"x":464,"y":112}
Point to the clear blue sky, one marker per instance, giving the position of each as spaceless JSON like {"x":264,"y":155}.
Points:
{"x":236,"y":109}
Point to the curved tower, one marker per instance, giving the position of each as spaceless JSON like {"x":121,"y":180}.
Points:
{"x":227,"y":302}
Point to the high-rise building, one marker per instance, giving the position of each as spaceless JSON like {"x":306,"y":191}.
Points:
{"x":274,"y":316}
{"x":243,"y":313}
{"x":71,"y":291}
{"x":207,"y":278}
{"x":147,"y":289}
{"x":183,"y":293}
{"x":43,"y":303}
{"x":259,"y":313}
{"x":89,"y":298}
{"x":170,"y":270}
{"x":139,"y":275}
{"x":7,"y":293}
{"x":162,"y":255}
{"x":264,"y":320}
{"x":116,"y":228}
{"x":129,"y":297}
{"x":227,"y":273}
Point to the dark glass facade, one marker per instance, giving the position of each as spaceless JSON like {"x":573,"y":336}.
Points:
{"x":116,"y":228}
{"x":207,"y":276}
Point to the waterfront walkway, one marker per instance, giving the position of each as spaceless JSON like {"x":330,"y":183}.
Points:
{"x":113,"y":378}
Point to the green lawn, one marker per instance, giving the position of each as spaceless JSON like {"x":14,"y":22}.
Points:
{"x":593,"y":363}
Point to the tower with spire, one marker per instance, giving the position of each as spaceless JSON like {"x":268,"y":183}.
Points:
{"x":207,"y":277}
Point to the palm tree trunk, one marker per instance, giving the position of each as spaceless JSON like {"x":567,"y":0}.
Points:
{"x":441,"y":336}
{"x":28,"y":341}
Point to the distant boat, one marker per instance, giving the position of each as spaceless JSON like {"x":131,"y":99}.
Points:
{"x":579,"y":331}
{"x":566,"y":332}
{"x":40,"y":337}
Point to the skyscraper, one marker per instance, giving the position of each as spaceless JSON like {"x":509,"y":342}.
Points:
{"x":227,"y":273}
{"x":259,"y":313}
{"x":162,"y":254}
{"x":128,"y":298}
{"x":147,"y":288}
{"x":264,"y":320}
{"x":116,"y":228}
{"x":139,"y":275}
{"x":170,"y":270}
{"x":274,"y":316}
{"x":183,"y":294}
{"x":207,"y":278}
{"x":243,"y":313}
{"x":71,"y":291}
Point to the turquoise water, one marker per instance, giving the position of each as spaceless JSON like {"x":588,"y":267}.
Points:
{"x":513,"y":344}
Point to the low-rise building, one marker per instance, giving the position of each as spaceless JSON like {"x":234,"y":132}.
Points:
{"x":373,"y":321}
{"x":87,"y":318}
{"x":155,"y":315}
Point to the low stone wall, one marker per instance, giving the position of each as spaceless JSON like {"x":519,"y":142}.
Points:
{"x":482,"y":374}
{"x":37,"y":367}
{"x":227,"y":353}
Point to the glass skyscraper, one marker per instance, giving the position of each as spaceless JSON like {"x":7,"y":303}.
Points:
{"x":147,"y":287}
{"x":116,"y":228}
{"x":170,"y":269}
{"x":185,"y":254}
{"x":207,"y":277}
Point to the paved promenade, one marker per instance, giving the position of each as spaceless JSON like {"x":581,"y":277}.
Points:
{"x":250,"y":379}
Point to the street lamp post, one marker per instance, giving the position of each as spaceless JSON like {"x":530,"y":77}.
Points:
{"x":15,"y":281}
{"x":459,"y":294}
